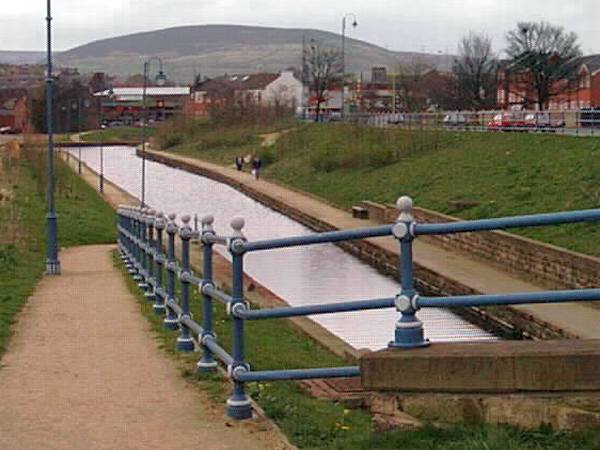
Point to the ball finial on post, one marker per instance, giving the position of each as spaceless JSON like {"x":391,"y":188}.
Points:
{"x":404,"y":205}
{"x":238,"y":224}
{"x":207,"y":224}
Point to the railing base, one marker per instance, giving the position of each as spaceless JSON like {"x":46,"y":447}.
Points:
{"x":239,"y":409}
{"x":52,"y":267}
{"x":203,"y":367}
{"x":170,"y":323}
{"x":185,"y":344}
{"x":159,"y":309}
{"x":149,"y":295}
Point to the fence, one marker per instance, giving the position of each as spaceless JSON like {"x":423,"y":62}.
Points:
{"x":585,"y":122}
{"x":146,"y":254}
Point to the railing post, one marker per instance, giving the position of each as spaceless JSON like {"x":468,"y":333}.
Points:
{"x":238,"y":404}
{"x":137,"y":214}
{"x":170,"y":321}
{"x":159,"y":260}
{"x":143,"y":284}
{"x":207,"y":362}
{"x":409,"y":331}
{"x":185,"y":343}
{"x":150,"y":281}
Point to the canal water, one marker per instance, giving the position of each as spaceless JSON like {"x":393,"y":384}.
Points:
{"x":301,"y":276}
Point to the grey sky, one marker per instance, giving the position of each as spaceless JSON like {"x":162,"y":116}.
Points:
{"x":417,"y":25}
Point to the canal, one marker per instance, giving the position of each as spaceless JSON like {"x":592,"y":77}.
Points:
{"x":301,"y":276}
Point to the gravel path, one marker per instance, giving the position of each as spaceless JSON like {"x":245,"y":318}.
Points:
{"x":83,"y":372}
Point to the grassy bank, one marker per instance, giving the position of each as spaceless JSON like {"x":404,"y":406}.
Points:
{"x":119,"y":134}
{"x":316,"y":424}
{"x":83,"y":218}
{"x":496,"y":174}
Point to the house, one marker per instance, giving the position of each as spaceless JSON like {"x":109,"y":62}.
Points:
{"x":260,"y":88}
{"x":125,"y":104}
{"x":582,"y":91}
{"x":14,"y":114}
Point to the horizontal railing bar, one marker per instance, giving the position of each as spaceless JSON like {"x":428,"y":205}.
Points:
{"x":298,"y":374}
{"x":217,"y":350}
{"x":196,"y":280}
{"x":535,"y":220}
{"x":318,"y":238}
{"x":193,"y":326}
{"x":214,"y":239}
{"x":510,"y":299}
{"x":326,"y":308}
{"x":174,"y":307}
{"x":216,"y":294}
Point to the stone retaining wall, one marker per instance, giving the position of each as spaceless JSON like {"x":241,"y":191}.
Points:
{"x":552,"y":266}
{"x":504,"y":321}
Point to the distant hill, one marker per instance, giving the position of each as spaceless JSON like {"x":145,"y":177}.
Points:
{"x":216,"y":49}
{"x":15,"y":57}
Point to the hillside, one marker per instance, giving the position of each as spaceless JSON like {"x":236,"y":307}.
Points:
{"x":216,"y":49}
{"x":16,"y":57}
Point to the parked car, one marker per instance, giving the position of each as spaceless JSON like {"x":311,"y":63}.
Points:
{"x":454,"y":119}
{"x":544,"y":121}
{"x":5,"y":130}
{"x":395,"y":119}
{"x":507,"y":121}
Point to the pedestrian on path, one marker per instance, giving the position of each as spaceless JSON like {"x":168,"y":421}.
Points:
{"x":256,"y":165}
{"x":239,"y":163}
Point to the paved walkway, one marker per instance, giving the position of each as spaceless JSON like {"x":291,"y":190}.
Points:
{"x":83,"y":372}
{"x":577,"y":319}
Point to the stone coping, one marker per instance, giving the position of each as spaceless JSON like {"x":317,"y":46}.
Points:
{"x":497,"y":367}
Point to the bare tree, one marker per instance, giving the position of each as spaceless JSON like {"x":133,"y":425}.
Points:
{"x":476,"y":69}
{"x":322,"y":71}
{"x":408,"y":83}
{"x":540,"y":54}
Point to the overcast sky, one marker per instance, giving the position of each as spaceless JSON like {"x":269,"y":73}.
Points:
{"x":421,"y":25}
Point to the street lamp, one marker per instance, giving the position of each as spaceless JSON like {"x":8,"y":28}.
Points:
{"x":160,"y":81}
{"x":111,"y":96}
{"x":52,"y":262}
{"x":354,"y":25}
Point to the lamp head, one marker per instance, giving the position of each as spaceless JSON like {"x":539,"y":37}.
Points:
{"x":354,"y":23}
{"x":161,"y":78}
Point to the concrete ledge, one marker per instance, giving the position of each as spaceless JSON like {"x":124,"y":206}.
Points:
{"x":498,"y":367}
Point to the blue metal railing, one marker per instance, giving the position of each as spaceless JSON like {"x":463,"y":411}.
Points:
{"x":147,"y":256}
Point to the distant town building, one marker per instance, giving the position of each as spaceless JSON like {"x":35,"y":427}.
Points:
{"x":260,"y":88}
{"x":582,"y":91}
{"x":125,"y":104}
{"x":14,"y":114}
{"x":23,"y":76}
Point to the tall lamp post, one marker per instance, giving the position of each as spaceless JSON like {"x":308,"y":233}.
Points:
{"x":354,"y":25}
{"x":111,"y":96}
{"x":52,"y":262}
{"x":160,"y":81}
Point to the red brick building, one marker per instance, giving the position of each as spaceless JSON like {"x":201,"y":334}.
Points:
{"x":14,"y":114}
{"x":581,"y":92}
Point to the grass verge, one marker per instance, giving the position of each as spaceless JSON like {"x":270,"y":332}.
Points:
{"x":83,"y":218}
{"x":120,"y":134}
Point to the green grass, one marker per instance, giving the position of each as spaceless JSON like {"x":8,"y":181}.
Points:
{"x":117,"y":134}
{"x":83,"y":218}
{"x":499,"y":173}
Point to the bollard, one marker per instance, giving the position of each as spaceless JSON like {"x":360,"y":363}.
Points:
{"x":207,"y":362}
{"x":159,"y":260}
{"x":185,"y":343}
{"x":150,"y":293}
{"x":409,"y":331}
{"x":170,"y":321}
{"x":238,"y":405}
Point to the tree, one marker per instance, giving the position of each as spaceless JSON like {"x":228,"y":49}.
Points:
{"x":476,"y":69}
{"x":408,"y":83}
{"x":540,"y":54}
{"x":323,"y":69}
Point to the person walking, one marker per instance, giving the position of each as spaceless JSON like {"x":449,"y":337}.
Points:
{"x":239,"y":163}
{"x":256,"y":165}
